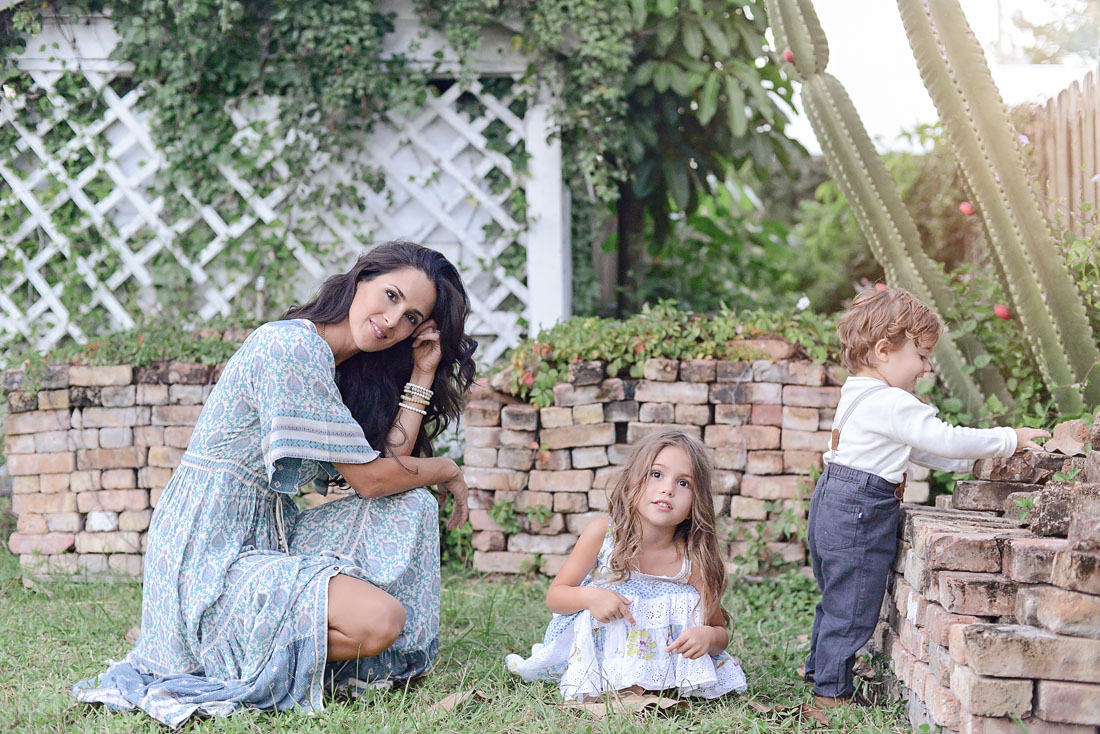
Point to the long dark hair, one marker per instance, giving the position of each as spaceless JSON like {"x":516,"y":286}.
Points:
{"x":371,"y":383}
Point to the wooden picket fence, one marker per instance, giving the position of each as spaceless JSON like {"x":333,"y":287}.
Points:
{"x":1065,"y":134}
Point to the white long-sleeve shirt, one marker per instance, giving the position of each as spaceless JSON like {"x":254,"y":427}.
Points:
{"x":892,"y":427}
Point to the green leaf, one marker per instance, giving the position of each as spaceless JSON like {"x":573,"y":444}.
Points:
{"x":739,"y":123}
{"x":982,"y":360}
{"x":679,"y":81}
{"x":692,"y":36}
{"x":676,"y":177}
{"x":708,"y":100}
{"x":639,"y":8}
{"x":667,"y":8}
{"x":643,"y":75}
{"x":717,"y":37}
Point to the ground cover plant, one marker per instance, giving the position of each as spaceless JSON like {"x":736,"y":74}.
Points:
{"x":54,"y":633}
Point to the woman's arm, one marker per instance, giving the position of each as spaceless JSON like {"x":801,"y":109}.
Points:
{"x":566,"y":595}
{"x":426,"y":354}
{"x":386,"y":476}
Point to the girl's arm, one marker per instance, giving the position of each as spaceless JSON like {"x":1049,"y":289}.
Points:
{"x":566,"y":595}
{"x":711,"y":638}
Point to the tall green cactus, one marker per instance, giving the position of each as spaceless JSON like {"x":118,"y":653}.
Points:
{"x":1035,"y":276}
{"x":862,"y":176}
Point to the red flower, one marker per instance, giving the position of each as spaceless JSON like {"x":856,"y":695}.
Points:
{"x":1001,"y":311}
{"x":528,"y":379}
{"x":967,"y":209}
{"x":788,"y":56}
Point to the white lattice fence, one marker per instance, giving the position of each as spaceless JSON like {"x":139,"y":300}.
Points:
{"x":88,"y":240}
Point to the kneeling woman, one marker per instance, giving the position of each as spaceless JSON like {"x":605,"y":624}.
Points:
{"x":249,"y":602}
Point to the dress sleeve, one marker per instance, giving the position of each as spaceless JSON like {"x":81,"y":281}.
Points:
{"x":305,"y":427}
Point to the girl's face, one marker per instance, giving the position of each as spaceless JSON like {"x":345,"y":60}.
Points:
{"x":669,"y":489}
{"x":388,"y":308}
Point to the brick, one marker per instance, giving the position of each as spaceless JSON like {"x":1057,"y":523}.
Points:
{"x":38,"y":421}
{"x":188,"y":373}
{"x":1056,"y":503}
{"x":657,"y":413}
{"x":31,"y":523}
{"x":130,"y":565}
{"x":186,"y":394}
{"x":566,"y":396}
{"x":85,"y":481}
{"x":517,"y":459}
{"x":619,"y":453}
{"x":748,"y":508}
{"x":746,"y":437}
{"x":51,"y":463}
{"x":620,"y":411}
{"x":755,"y":393}
{"x":1030,"y":725}
{"x":732,"y":415}
{"x":120,"y":396}
{"x":20,"y":402}
{"x":584,"y":415}
{"x":1070,"y":703}
{"x":27,"y":484}
{"x":54,"y":483}
{"x":53,"y":399}
{"x":116,"y":438}
{"x":553,"y":460}
{"x":960,"y":551}
{"x":940,"y":664}
{"x":1018,"y":651}
{"x":670,"y":392}
{"x":101,"y":522}
{"x":93,"y":564}
{"x":605,"y":478}
{"x":730,"y":458}
{"x":767,"y":415}
{"x":502,"y":562}
{"x":635,"y":432}
{"x":519,"y":417}
{"x":134,"y":520}
{"x":661,"y":370}
{"x":130,"y":457}
{"x":1031,"y":560}
{"x":517,"y":439}
{"x":96,"y":376}
{"x":112,"y":500}
{"x":20,"y":443}
{"x":773,"y":487}
{"x":942,"y":704}
{"x":764,"y":462}
{"x":551,"y":563}
{"x":482,"y":457}
{"x":481,"y":520}
{"x":766,"y":370}
{"x":571,"y":502}
{"x":164,"y":456}
{"x":526,"y":543}
{"x":154,"y":477}
{"x":149,"y":435}
{"x":1077,"y":570}
{"x":51,"y":442}
{"x":805,"y":440}
{"x":476,"y":436}
{"x":49,"y":544}
{"x":805,"y":373}
{"x":506,"y":480}
{"x":481,"y":413}
{"x":982,"y":495}
{"x":85,"y":397}
{"x":532,"y":500}
{"x":600,"y":434}
{"x":151,"y":394}
{"x":826,"y":416}
{"x":488,"y":540}
{"x":963,"y":592}
{"x":553,"y":417}
{"x":117,"y":542}
{"x":1059,"y":610}
{"x":801,"y":462}
{"x":587,"y":373}
{"x":590,"y":457}
{"x":576,"y":523}
{"x":986,"y":696}
{"x":1030,"y":467}
{"x":811,"y":397}
{"x":696,"y":415}
{"x":573,"y":480}
{"x":701,"y":370}
{"x":773,"y":348}
{"x":175,"y":415}
{"x":727,"y":371}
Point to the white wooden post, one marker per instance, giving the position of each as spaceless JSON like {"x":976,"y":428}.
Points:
{"x":549,"y":251}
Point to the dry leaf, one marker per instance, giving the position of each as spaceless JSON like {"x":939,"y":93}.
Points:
{"x":132,"y":634}
{"x":626,"y":703}
{"x":1069,"y":438}
{"x":30,"y":585}
{"x":803,"y":711}
{"x":456,"y":699}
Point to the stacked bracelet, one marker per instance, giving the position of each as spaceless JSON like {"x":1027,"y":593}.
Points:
{"x":416,"y":395}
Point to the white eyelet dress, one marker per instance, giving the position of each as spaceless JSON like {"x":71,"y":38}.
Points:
{"x":587,"y":657}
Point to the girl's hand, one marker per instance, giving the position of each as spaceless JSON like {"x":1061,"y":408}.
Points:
{"x":426,"y":350}
{"x":693,"y":642}
{"x":605,"y":605}
{"x":1025,"y":438}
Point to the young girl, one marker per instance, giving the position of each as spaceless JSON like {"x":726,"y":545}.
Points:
{"x":638,"y":603}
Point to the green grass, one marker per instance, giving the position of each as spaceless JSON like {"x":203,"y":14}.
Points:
{"x":59,"y":632}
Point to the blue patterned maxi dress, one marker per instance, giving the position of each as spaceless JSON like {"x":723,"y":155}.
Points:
{"x":235,"y":603}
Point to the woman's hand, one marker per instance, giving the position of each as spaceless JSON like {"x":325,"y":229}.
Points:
{"x":456,"y":487}
{"x":605,"y":605}
{"x":693,"y":642}
{"x":425,"y":349}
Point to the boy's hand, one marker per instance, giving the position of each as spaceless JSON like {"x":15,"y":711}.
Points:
{"x":693,"y":642}
{"x":1025,"y":438}
{"x":605,"y":605}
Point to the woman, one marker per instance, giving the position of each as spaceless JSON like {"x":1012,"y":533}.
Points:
{"x":247,"y":600}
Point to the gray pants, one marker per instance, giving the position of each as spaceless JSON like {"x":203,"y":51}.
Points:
{"x":852,"y":537}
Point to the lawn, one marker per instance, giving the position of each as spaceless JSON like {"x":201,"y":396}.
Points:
{"x":53,"y":634}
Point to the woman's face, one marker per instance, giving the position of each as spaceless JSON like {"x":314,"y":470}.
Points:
{"x":389,"y":308}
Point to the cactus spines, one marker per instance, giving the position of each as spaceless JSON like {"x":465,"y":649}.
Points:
{"x":1041,"y":290}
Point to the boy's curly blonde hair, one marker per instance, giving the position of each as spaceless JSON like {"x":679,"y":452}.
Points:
{"x":892,"y":314}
